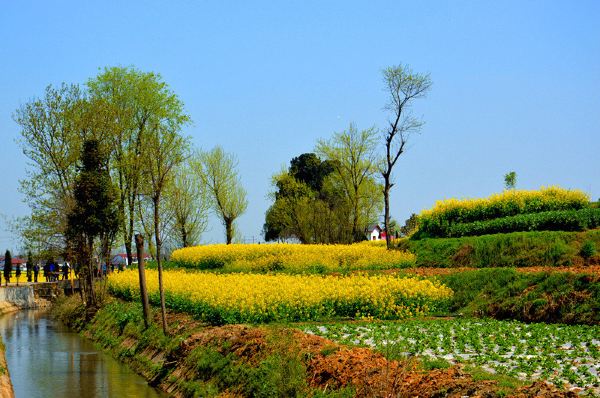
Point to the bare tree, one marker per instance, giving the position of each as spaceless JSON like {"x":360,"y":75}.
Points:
{"x":403,"y":86}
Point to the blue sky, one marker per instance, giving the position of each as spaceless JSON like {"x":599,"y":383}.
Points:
{"x":516,"y":84}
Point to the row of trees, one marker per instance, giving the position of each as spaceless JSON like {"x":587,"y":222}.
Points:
{"x":332,"y":195}
{"x":109,"y":159}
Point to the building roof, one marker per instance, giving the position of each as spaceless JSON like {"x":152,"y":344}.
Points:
{"x":14,"y":260}
{"x":373,"y":227}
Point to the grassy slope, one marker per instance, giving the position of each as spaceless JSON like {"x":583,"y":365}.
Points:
{"x":519,"y":249}
{"x":504,"y":293}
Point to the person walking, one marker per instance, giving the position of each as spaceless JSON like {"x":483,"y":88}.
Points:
{"x":51,"y":268}
{"x":65,"y":271}
{"x":47,"y":271}
{"x":36,"y":272}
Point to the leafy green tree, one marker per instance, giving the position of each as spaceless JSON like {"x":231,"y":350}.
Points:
{"x":300,"y":212}
{"x":163,"y":152}
{"x":7,"y":267}
{"x":218,"y":171}
{"x":403,"y":86}
{"x":51,"y":137}
{"x":309,"y":169}
{"x":510,"y":180}
{"x":94,"y":213}
{"x":188,"y":203}
{"x":133,"y":104}
{"x":410,"y":225}
{"x":352,"y":154}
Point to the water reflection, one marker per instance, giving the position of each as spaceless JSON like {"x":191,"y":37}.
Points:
{"x":45,"y":359}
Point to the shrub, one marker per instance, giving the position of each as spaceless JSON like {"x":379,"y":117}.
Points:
{"x":588,"y":249}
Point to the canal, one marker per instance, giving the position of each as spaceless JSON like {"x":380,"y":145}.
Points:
{"x":46,"y":359}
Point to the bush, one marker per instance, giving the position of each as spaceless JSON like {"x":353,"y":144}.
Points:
{"x":588,"y":249}
{"x":517,"y":249}
{"x":435,"y":221}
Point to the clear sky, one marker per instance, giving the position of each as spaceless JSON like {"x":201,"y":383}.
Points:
{"x":516,"y":84}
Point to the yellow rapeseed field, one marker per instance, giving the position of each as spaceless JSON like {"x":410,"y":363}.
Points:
{"x":507,"y":203}
{"x":240,"y":297}
{"x":294,"y":258}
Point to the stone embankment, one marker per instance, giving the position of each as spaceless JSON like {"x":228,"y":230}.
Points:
{"x":33,"y":295}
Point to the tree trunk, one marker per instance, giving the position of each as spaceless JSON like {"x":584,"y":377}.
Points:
{"x":184,"y":237}
{"x":129,"y":234}
{"x":229,"y":231}
{"x":139,"y":244}
{"x":161,"y":288}
{"x":386,"y":199}
{"x":90,"y":276}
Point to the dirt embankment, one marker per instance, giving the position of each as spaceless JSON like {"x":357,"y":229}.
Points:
{"x":6,"y":387}
{"x":239,"y":360}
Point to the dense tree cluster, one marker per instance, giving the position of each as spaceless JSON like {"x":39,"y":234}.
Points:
{"x":327,"y":201}
{"x":115,"y":145}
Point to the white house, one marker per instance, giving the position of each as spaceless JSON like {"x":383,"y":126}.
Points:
{"x":375,"y":232}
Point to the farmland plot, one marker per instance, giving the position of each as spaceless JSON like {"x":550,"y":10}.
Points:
{"x":564,"y":355}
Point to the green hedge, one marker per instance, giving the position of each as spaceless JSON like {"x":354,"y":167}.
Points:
{"x":566,"y":220}
{"x":517,"y":249}
{"x":504,"y":293}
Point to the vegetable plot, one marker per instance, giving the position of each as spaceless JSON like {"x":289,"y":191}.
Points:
{"x":564,"y":355}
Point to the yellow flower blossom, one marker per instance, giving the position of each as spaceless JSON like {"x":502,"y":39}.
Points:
{"x":242,"y":297}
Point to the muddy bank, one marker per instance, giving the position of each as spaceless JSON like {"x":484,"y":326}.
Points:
{"x":239,"y":360}
{"x":6,"y":387}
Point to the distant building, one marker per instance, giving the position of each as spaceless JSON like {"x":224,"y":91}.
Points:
{"x":15,"y":261}
{"x":121,"y":259}
{"x":375,"y":232}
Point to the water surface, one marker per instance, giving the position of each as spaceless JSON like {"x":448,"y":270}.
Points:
{"x":46,"y":359}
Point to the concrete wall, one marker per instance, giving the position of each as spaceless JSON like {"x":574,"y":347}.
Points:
{"x":20,"y":296}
